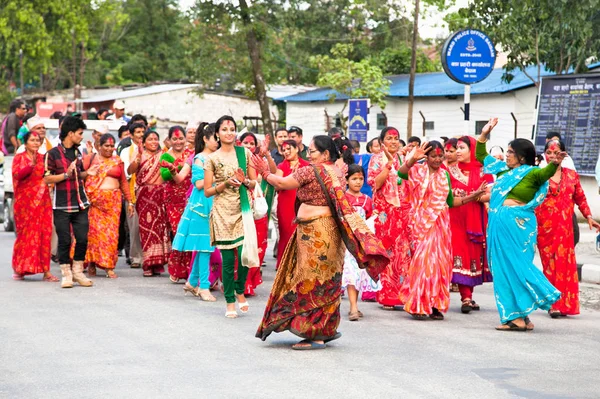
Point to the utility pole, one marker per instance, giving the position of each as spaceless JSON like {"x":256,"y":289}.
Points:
{"x":413,"y":71}
{"x":21,"y":73}
{"x":259,"y":79}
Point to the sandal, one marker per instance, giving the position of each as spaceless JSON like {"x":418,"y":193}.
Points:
{"x":467,"y":306}
{"x":148,"y":273}
{"x":475,"y":306}
{"x":91,"y":271}
{"x":353,"y":316}
{"x":206,"y":296}
{"x":528,"y":324}
{"x":436,"y":315}
{"x":18,"y":277}
{"x":51,"y":278}
{"x":174,"y":280}
{"x":387,"y":307}
{"x":231,"y":314}
{"x":307,"y":344}
{"x":511,"y":327}
{"x":418,"y":316}
{"x":243,"y":305}
{"x":555,"y":314}
{"x":135,"y":266}
{"x":111,"y":274}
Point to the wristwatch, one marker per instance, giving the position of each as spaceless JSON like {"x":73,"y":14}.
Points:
{"x":66,"y":176}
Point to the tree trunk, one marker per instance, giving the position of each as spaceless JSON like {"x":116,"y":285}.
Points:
{"x":413,"y":71}
{"x":259,"y":80}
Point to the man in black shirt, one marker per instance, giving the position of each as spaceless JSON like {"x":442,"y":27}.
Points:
{"x":64,"y":169}
{"x":11,"y":125}
{"x":295,"y":133}
{"x":281,"y":135}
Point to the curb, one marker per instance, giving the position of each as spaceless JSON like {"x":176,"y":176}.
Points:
{"x":589,"y":273}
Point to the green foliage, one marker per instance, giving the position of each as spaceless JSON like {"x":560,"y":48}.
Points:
{"x":554,"y":33}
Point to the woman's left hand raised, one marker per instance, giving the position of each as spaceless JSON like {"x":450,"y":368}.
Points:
{"x":559,"y":158}
{"x":259,"y":163}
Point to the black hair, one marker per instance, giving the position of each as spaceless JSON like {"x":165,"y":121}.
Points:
{"x":27,"y":135}
{"x":433,"y":145}
{"x":444,"y":139}
{"x":496,"y":146}
{"x":465,"y":139}
{"x":384,"y":132}
{"x":402,"y":142}
{"x":222,"y":119}
{"x":355,"y":168}
{"x":291,"y":143}
{"x":344,"y":148}
{"x":453,"y":142}
{"x":280,"y":129}
{"x":27,"y":117}
{"x":148,"y":133}
{"x":102,"y":110}
{"x":105,"y":137}
{"x":415,"y":139}
{"x":561,"y":145}
{"x":56,"y":115}
{"x":138,"y":117}
{"x":335,"y":131}
{"x":524,"y":151}
{"x":355,"y":144}
{"x":243,"y":136}
{"x":295,"y":129}
{"x":70,"y":124}
{"x":325,"y":143}
{"x":14,"y":104}
{"x":133,"y":126}
{"x":174,"y":129}
{"x":553,"y":133}
{"x":370,"y":144}
{"x":122,"y":129}
{"x":205,"y":130}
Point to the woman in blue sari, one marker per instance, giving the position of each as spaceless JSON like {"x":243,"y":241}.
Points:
{"x":519,"y":286}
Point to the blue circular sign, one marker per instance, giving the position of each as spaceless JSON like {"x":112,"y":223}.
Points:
{"x":468,"y":56}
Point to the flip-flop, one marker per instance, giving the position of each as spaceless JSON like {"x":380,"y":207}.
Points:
{"x":51,"y":279}
{"x":527,"y":323}
{"x":313,"y":345}
{"x":419,"y":316}
{"x":336,"y":336}
{"x":18,"y":277}
{"x":555,"y":314}
{"x":511,"y":327}
{"x":475,"y":305}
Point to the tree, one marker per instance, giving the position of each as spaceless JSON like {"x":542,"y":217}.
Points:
{"x":554,"y":34}
{"x":353,"y":79}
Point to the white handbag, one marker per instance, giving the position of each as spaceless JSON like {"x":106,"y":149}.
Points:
{"x":260,"y":206}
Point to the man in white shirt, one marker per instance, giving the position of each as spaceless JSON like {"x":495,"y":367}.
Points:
{"x":36,"y":124}
{"x":119,"y":112}
{"x":129,"y":155}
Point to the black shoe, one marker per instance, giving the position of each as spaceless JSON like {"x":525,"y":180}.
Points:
{"x":128,"y":261}
{"x":54,"y":259}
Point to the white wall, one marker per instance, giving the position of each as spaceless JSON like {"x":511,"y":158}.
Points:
{"x":185,"y":105}
{"x":448,"y":120}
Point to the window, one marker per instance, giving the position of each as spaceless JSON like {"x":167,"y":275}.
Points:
{"x":381,"y":121}
{"x":338,"y":121}
{"x":429,"y":125}
{"x":479,"y":126}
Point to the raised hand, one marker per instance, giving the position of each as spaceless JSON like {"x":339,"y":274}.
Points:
{"x":387,"y":153}
{"x":239,"y":175}
{"x":264,"y":146}
{"x":418,"y":153}
{"x":487,"y":129}
{"x":559,"y":158}
{"x":259,"y":163}
{"x":93,"y":170}
{"x":482,"y":189}
{"x":89,"y":146}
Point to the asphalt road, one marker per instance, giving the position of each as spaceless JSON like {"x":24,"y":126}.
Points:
{"x":138,"y":337}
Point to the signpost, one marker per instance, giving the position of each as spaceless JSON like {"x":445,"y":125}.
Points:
{"x":468,"y":57}
{"x":358,"y":120}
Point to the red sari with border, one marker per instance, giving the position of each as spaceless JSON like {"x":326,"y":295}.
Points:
{"x":427,"y":282}
{"x":175,"y":201}
{"x":154,"y":233}
{"x":33,"y":216}
{"x":391,"y":227}
{"x":556,"y":243}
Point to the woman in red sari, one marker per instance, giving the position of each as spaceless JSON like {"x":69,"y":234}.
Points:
{"x":32,"y":212}
{"x":154,"y":233}
{"x":391,"y":223}
{"x":104,"y":193}
{"x":555,"y":241}
{"x":426,"y":288}
{"x":468,"y":224}
{"x":286,"y":199}
{"x":175,"y":199}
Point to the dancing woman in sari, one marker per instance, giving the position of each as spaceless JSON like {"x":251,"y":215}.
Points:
{"x":228,"y":178}
{"x":556,"y":243}
{"x":154,"y":233}
{"x":519,"y":287}
{"x":104,"y":193}
{"x":426,"y":287}
{"x":286,"y":199}
{"x":468,"y":224}
{"x":305,"y":298}
{"x":32,"y":212}
{"x":391,"y":223}
{"x":176,"y":198}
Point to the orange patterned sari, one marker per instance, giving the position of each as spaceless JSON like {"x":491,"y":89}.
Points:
{"x":104,"y":214}
{"x":427,"y":282}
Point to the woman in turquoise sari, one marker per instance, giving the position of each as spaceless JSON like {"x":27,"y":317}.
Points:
{"x":519,"y":286}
